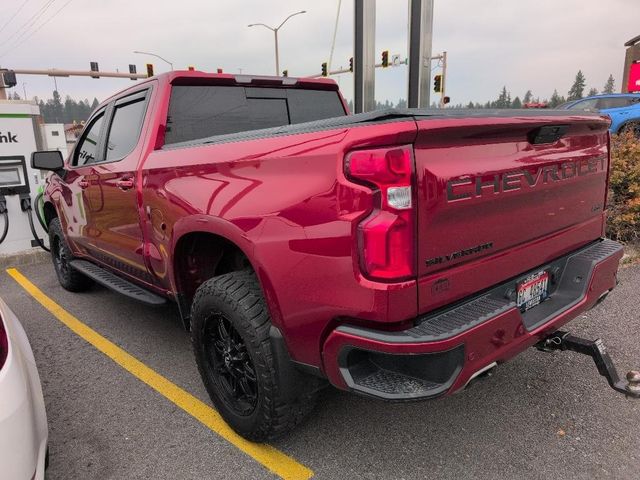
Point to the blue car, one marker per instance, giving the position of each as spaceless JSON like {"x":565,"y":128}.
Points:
{"x":623,"y":108}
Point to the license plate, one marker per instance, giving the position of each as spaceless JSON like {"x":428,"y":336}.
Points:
{"x":532,"y":290}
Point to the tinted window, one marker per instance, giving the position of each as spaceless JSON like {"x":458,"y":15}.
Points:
{"x":310,"y":105}
{"x":125,"y":128}
{"x":204,"y":111}
{"x":87,"y":148}
{"x":584,"y":105}
{"x":614,"y":102}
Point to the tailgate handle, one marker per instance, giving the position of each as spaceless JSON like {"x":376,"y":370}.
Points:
{"x":547,"y":134}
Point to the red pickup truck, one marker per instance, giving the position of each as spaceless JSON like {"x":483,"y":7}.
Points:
{"x":398,"y":254}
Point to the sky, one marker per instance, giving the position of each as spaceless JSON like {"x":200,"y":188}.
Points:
{"x":521,"y":44}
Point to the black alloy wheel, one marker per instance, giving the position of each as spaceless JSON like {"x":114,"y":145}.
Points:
{"x":228,"y":357}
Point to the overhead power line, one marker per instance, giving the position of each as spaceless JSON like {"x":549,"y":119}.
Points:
{"x":37,"y":29}
{"x":24,"y":28}
{"x":14,"y":15}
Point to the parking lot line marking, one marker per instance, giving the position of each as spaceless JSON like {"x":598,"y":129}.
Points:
{"x":271,"y":458}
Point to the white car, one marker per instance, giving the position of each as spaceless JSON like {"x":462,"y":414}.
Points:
{"x":23,"y":420}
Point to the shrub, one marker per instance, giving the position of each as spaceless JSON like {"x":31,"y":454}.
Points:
{"x":624,"y":188}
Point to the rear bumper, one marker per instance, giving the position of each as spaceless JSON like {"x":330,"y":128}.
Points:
{"x":445,"y":349}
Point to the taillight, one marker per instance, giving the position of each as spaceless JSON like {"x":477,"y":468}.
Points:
{"x":386,"y":236}
{"x":4,"y":344}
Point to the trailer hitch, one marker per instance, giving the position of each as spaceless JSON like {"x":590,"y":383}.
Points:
{"x":595,"y":349}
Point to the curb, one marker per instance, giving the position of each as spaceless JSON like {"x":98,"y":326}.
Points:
{"x":26,"y":257}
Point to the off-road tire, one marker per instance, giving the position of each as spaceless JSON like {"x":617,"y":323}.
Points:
{"x":61,"y":255}
{"x":237,"y":297}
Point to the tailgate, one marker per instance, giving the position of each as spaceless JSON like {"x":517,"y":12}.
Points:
{"x":498,"y":196}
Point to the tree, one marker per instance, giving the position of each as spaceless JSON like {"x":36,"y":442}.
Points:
{"x":610,"y":85}
{"x":94,"y":104}
{"x":577,"y":89}
{"x":556,"y":99}
{"x":527,"y":97}
{"x":516,"y":103}
{"x":592,"y":92}
{"x":504,"y":99}
{"x":470,"y":105}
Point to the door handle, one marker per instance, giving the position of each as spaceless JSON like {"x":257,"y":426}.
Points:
{"x":83,"y":184}
{"x":124,"y":184}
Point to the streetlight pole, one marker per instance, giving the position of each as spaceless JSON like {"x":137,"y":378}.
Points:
{"x":155,"y":55}
{"x":275,"y":34}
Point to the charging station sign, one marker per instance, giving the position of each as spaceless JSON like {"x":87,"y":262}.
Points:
{"x":16,"y":135}
{"x":634,"y":78}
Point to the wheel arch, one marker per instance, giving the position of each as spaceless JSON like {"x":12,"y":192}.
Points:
{"x":49,"y":211}
{"x":626,"y":122}
{"x":204,"y":247}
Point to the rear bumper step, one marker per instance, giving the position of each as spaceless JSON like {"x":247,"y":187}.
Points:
{"x":443,"y":350}
{"x":117,"y":284}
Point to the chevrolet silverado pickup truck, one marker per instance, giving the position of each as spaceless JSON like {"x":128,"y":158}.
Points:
{"x":398,"y":254}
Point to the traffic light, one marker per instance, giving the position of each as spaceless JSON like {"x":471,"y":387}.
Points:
{"x":8,"y":78}
{"x":149,"y":69}
{"x":324,"y":69}
{"x":385,"y":58}
{"x":94,"y":68}
{"x":133,"y":70}
{"x":191,"y":68}
{"x":446,"y":100}
{"x":285,"y":73}
{"x":437,"y":84}
{"x":351,"y":64}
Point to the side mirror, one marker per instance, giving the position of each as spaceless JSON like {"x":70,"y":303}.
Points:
{"x":50,"y":160}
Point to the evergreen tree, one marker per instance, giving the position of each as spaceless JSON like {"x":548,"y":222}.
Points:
{"x":609,"y":86}
{"x":592,"y":92}
{"x":504,"y":99}
{"x":527,"y":97}
{"x":516,"y":103}
{"x":56,"y":108}
{"x":577,"y":89}
{"x":402,"y":103}
{"x":555,"y":99}
{"x":470,"y":105}
{"x":94,"y":104}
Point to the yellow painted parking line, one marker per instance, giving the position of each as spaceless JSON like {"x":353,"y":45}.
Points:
{"x":271,"y":458}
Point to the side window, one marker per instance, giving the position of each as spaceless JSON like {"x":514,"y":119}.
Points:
{"x":87,"y":148}
{"x":614,"y":102}
{"x":125,"y":127}
{"x":584,"y":105}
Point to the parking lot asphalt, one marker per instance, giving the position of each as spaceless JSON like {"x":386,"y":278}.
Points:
{"x":538,"y":416}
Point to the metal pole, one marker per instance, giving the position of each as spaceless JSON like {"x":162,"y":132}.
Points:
{"x":364,"y":55}
{"x":78,"y":73}
{"x":444,"y":79}
{"x":420,"y":41}
{"x":24,"y":89}
{"x":333,"y":42}
{"x":155,"y":55}
{"x":275,"y":32}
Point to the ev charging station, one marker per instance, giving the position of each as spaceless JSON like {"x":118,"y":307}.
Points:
{"x":20,"y":135}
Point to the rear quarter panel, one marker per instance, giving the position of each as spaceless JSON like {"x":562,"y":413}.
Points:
{"x":285,"y":202}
